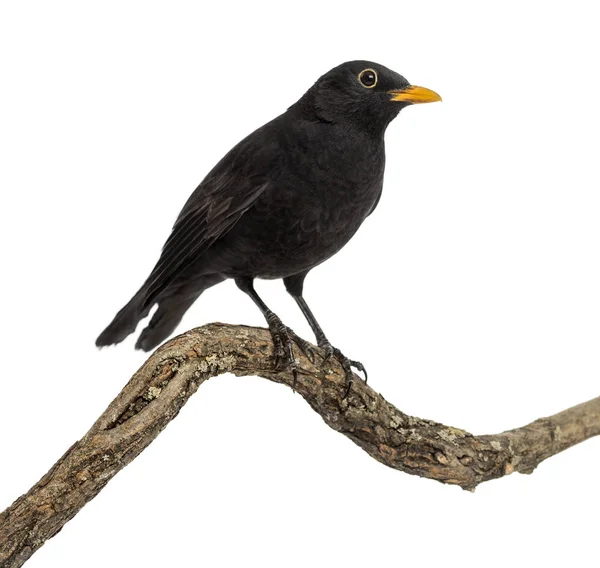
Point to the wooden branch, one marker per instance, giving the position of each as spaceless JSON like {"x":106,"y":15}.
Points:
{"x":174,"y":372}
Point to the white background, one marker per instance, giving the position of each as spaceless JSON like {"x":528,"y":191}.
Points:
{"x":472,"y":295}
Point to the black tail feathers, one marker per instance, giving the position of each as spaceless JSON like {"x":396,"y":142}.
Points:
{"x":164,"y":321}
{"x":124,"y":323}
{"x":172,"y":304}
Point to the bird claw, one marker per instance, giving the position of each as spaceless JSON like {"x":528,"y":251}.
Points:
{"x":346,"y":364}
{"x":309,"y":352}
{"x":303,"y":345}
{"x":283,"y":341}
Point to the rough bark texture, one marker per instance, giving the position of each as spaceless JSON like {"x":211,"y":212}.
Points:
{"x":174,"y":372}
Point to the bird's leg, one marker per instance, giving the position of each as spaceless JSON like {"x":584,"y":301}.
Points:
{"x":294,"y":285}
{"x":324,"y":344}
{"x":283,"y":336}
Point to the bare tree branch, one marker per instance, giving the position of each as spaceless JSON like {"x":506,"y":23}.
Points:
{"x":157,"y":392}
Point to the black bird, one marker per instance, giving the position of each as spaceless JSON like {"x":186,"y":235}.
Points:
{"x":282,"y":201}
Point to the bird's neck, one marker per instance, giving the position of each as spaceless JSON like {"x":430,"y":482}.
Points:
{"x":308,"y":108}
{"x":313,"y":107}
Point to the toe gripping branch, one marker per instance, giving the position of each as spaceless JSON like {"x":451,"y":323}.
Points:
{"x":283,"y":339}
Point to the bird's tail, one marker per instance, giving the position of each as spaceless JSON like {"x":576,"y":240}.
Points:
{"x":125,"y":322}
{"x":165,"y":319}
{"x":172,"y":305}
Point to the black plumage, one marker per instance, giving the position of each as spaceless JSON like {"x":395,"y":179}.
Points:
{"x":282,"y":201}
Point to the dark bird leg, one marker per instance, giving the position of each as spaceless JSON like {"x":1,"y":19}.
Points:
{"x":283,"y":336}
{"x":294,"y":285}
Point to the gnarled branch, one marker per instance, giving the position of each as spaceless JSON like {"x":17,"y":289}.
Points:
{"x":157,"y":392}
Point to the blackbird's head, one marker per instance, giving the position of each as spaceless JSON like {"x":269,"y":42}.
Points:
{"x":364,"y":93}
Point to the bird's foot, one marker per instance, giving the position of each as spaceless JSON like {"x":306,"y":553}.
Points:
{"x":283,"y":341}
{"x":346,"y":363}
{"x":304,"y":346}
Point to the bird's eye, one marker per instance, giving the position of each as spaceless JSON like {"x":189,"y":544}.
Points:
{"x":368,"y":78}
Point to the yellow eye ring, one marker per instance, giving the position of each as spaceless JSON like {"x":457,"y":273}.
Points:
{"x":368,"y":78}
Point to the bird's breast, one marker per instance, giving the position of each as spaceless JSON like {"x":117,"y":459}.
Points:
{"x":322,"y":188}
{"x":302,"y":221}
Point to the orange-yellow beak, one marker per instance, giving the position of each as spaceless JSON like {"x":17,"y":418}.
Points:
{"x":415,"y":95}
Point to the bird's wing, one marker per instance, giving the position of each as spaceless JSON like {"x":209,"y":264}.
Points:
{"x":211,"y":211}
